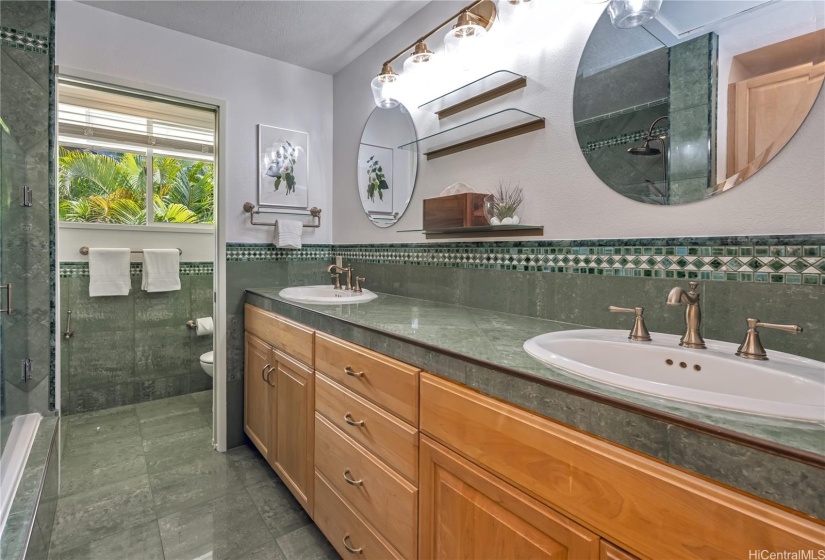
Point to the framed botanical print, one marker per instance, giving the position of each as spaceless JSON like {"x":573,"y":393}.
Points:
{"x":282,"y":167}
{"x":375,"y":179}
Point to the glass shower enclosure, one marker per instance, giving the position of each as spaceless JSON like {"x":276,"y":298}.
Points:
{"x":26,"y":246}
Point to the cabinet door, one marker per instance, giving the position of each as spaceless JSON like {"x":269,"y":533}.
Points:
{"x":257,"y":397}
{"x":466,"y":512}
{"x":293,"y":427}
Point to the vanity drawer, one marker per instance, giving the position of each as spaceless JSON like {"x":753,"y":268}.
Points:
{"x":387,"y":382}
{"x":285,"y":335}
{"x":386,"y":436}
{"x":387,"y":501}
{"x":344,"y":527}
{"x":648,"y":508}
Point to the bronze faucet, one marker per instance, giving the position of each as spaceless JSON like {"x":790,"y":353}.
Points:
{"x":693,"y":314}
{"x":339,"y":270}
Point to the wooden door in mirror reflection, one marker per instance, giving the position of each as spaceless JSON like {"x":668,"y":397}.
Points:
{"x":772,"y":90}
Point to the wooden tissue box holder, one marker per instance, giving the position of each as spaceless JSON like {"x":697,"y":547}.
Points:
{"x":454,"y":211}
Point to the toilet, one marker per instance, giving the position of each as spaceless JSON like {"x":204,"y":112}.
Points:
{"x":206,"y":363}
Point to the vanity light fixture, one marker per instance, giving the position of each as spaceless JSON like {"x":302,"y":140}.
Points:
{"x":384,"y":87}
{"x":632,"y":13}
{"x":473,"y":22}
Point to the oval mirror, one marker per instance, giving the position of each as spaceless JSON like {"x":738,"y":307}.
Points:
{"x":698,"y":99}
{"x":386,"y":175}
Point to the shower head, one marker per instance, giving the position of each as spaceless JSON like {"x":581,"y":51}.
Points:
{"x":644,"y":150}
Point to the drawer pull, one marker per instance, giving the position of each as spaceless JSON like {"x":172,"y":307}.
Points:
{"x":351,"y":372}
{"x":349,"y":480}
{"x":267,"y":369}
{"x":358,"y":550}
{"x":348,"y":419}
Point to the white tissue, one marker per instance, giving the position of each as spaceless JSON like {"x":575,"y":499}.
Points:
{"x":204,"y":326}
{"x":456,"y":188}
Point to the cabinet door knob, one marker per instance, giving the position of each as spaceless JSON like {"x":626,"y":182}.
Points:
{"x":351,"y":372}
{"x":348,"y":419}
{"x":349,"y":480}
{"x":358,"y":550}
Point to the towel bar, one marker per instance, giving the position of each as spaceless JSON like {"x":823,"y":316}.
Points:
{"x":315,"y":212}
{"x":85,"y":250}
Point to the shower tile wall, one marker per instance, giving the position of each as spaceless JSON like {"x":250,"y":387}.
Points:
{"x":134,"y":348}
{"x":693,"y":82}
{"x":26,"y":58}
{"x":605,"y":143}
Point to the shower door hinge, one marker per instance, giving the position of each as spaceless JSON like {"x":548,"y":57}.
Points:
{"x":27,"y":196}
{"x":27,"y":370}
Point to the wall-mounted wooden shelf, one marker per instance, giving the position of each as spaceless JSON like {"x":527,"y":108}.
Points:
{"x":475,"y":93}
{"x":485,"y":130}
{"x":518,"y":230}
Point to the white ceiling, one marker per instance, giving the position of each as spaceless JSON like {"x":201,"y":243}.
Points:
{"x":323,"y":35}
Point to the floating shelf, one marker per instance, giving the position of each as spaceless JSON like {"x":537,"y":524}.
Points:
{"x":475,"y":93}
{"x":518,"y":230}
{"x":485,"y":130}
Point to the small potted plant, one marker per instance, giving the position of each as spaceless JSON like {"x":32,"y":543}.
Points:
{"x":501,"y":207}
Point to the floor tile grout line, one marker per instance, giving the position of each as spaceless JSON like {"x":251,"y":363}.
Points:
{"x":271,"y":534}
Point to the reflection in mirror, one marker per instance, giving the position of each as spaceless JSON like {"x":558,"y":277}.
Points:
{"x":386,"y":174}
{"x":695,"y":101}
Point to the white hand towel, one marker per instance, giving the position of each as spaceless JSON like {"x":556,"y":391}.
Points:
{"x":161,"y":270}
{"x":109,"y":272}
{"x":288,"y":234}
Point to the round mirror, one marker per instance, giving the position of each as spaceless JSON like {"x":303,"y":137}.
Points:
{"x":386,"y":174}
{"x":695,"y":101}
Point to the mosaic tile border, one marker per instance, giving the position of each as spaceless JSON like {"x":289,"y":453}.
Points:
{"x":24,"y":41}
{"x":796,"y":260}
{"x":634,"y":108}
{"x":625,"y":138}
{"x":248,"y":252}
{"x":81,"y":269}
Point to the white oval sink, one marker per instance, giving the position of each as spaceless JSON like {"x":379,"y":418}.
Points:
{"x":784,"y":386}
{"x":325,"y":295}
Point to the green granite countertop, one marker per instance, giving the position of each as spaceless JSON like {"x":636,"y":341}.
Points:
{"x":496,"y":338}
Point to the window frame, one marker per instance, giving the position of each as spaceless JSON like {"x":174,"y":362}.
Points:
{"x":149,"y":152}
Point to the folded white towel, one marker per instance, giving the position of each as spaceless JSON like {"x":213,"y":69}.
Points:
{"x":161,"y":270}
{"x":109,"y":272}
{"x":288,"y":234}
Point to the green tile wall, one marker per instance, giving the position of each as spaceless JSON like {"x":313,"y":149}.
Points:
{"x":134,"y":348}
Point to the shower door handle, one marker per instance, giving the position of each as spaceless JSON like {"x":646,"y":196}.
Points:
{"x":7,"y":309}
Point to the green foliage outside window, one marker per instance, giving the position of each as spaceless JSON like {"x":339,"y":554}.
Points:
{"x":110,"y":188}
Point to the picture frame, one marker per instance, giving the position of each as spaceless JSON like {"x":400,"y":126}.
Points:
{"x":375,"y":167}
{"x":283,"y":167}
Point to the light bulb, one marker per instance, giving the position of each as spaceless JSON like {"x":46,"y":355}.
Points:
{"x":464,"y":32}
{"x":632,"y":13}
{"x":385,"y":88}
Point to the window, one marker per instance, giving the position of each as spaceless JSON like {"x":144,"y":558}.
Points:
{"x":131,"y":159}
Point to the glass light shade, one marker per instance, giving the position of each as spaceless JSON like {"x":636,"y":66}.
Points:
{"x":420,"y":59}
{"x":515,"y":12}
{"x":632,"y":13}
{"x":465,"y":33}
{"x":385,"y":90}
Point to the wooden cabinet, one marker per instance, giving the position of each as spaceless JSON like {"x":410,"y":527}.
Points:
{"x":467,"y":512}
{"x":279,"y":400}
{"x":645,"y":506}
{"x":293,"y":427}
{"x":608,"y":551}
{"x":258,"y":396}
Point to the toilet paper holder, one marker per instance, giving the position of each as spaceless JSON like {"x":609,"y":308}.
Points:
{"x":192,"y":324}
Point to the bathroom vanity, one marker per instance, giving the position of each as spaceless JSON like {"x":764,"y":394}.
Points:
{"x":393,"y":459}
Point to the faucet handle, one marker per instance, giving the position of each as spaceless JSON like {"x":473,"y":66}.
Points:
{"x":357,"y":289}
{"x":639,"y":332}
{"x":751,"y":348}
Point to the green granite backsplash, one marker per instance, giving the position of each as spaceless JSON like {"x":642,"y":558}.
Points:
{"x":568,"y":281}
{"x":134,"y":348}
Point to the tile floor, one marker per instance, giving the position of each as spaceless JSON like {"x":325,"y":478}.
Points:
{"x":142,"y":482}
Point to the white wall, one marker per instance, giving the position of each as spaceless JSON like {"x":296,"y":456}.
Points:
{"x":256,"y":89}
{"x":563,"y":194}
